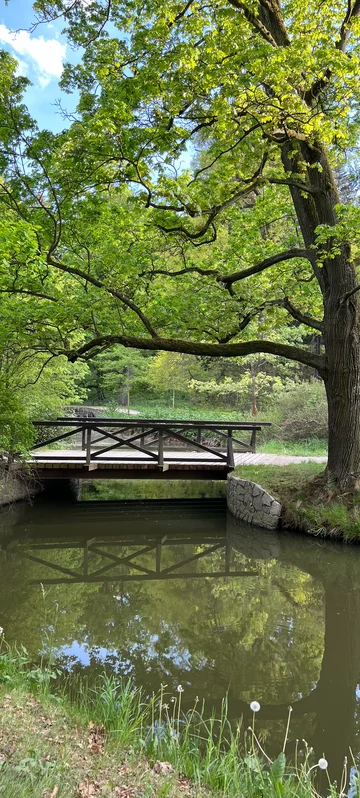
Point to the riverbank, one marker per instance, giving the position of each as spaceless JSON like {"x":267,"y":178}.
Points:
{"x":307,"y":503}
{"x":62,"y":738}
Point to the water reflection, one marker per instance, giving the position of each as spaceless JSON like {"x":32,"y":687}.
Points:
{"x":181,"y":592}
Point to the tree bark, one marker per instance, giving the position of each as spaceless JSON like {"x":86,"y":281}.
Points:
{"x":254,"y":409}
{"x":338,"y":283}
{"x":343,"y":395}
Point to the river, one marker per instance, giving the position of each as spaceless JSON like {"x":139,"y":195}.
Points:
{"x":179,"y":592}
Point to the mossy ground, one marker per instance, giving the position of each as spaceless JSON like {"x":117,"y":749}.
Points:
{"x":309,"y":505}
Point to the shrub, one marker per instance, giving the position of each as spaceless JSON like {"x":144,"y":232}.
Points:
{"x":301,"y":413}
{"x":16,"y":431}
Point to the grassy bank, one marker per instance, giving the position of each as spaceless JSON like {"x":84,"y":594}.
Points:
{"x":308,"y":504}
{"x":108,"y":739}
{"x":315,"y":447}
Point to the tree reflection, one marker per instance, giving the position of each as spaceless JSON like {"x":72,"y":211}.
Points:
{"x":287,"y":635}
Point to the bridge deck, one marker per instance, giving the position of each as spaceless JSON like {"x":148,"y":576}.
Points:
{"x":130,"y":464}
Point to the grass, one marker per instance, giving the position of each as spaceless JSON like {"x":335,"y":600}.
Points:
{"x":308,"y":504}
{"x":315,"y":447}
{"x":108,"y":739}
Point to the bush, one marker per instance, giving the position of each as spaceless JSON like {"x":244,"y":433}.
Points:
{"x":16,"y":431}
{"x":301,"y":413}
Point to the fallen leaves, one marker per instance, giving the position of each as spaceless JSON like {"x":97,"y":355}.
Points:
{"x":163,"y":768}
{"x":87,"y":789}
{"x":184,"y":785}
{"x":96,"y":738}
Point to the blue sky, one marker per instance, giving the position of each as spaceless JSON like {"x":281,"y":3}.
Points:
{"x":41,"y":55}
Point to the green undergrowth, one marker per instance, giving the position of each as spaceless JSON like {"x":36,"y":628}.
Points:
{"x":315,"y":447}
{"x":66,"y":737}
{"x":309,"y":505}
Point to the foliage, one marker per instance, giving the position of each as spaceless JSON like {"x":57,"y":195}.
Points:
{"x":301,"y":413}
{"x":30,"y":391}
{"x":139,"y":489}
{"x":16,"y":431}
{"x":191,"y":205}
{"x":206,"y":751}
{"x":119,"y":372}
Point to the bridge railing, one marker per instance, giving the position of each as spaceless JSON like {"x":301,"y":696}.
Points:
{"x":147,"y":438}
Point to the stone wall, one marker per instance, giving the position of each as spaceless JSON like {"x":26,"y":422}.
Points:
{"x":251,"y":503}
{"x":14,"y":489}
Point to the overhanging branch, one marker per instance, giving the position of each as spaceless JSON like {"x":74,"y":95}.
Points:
{"x":303,"y":318}
{"x":288,"y":254}
{"x":88,"y":278}
{"x":199,"y":348}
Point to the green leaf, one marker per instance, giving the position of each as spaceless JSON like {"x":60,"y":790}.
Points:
{"x":277,"y":769}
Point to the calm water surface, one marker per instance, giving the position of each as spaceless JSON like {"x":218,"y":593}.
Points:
{"x":178,"y":592}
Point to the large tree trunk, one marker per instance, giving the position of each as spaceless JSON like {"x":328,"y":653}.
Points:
{"x":342,"y":384}
{"x":254,"y":409}
{"x":338,"y":282}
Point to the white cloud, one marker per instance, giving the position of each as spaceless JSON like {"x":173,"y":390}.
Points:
{"x":22,"y":67}
{"x":46,"y":55}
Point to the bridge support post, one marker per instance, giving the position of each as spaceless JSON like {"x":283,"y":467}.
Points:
{"x":230,"y":450}
{"x":253,"y":441}
{"x":88,"y":446}
{"x":161,"y":449}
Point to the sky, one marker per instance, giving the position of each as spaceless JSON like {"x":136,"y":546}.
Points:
{"x":41,"y":55}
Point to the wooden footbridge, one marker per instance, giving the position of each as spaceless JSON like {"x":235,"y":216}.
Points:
{"x":141,"y":448}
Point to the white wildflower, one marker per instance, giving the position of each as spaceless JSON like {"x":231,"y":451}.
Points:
{"x":1,"y":631}
{"x":255,"y":706}
{"x":323,"y":763}
{"x":180,"y":688}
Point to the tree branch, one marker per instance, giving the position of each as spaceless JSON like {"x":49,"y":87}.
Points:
{"x":182,"y":13}
{"x":287,"y":181}
{"x":117,"y":294}
{"x":224,"y":152}
{"x":254,"y":21}
{"x":348,"y":294}
{"x":352,"y":12}
{"x":37,"y":294}
{"x":229,"y":279}
{"x":196,"y":269}
{"x":303,"y":318}
{"x":199,"y":348}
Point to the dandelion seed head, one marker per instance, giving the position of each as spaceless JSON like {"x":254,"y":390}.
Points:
{"x":255,"y":706}
{"x":1,"y":631}
{"x":180,"y":688}
{"x":323,"y":763}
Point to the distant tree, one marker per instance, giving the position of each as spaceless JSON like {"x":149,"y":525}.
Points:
{"x":120,"y":371}
{"x":170,"y":371}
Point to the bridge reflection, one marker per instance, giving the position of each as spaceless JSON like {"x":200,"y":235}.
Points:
{"x":125,"y":554}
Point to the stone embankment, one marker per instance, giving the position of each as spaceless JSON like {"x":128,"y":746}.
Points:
{"x":16,"y":488}
{"x":250,"y":502}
